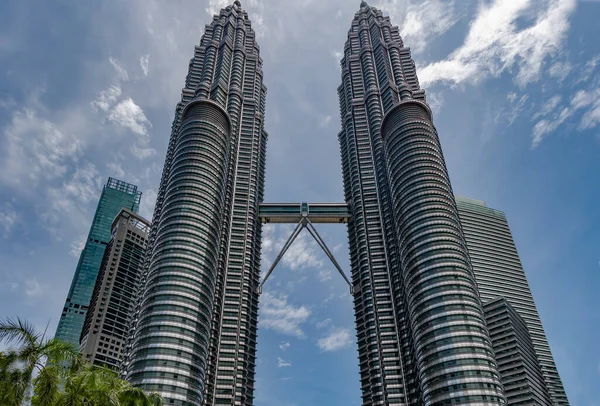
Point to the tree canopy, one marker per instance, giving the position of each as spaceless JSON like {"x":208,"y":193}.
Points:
{"x":49,"y":372}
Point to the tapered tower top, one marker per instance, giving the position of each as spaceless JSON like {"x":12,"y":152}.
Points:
{"x":363,"y":4}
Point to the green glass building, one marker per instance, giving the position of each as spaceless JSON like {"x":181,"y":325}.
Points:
{"x":116,"y":195}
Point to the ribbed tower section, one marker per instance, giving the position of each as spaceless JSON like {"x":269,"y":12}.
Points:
{"x":452,"y":348}
{"x":422,"y":337}
{"x":194,"y":334}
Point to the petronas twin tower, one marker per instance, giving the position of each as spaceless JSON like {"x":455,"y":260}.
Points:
{"x":421,"y":332}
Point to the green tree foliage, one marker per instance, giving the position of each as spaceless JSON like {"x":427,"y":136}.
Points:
{"x":48,"y":372}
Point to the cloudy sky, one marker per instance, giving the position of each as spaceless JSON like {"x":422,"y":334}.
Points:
{"x":88,"y":90}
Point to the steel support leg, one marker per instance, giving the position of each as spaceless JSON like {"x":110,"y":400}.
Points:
{"x":285,"y":247}
{"x":315,"y":234}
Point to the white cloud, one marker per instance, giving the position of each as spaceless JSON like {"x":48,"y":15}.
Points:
{"x":142,"y":153}
{"x":284,"y":345}
{"x":516,"y":106}
{"x":6,"y":101}
{"x":549,"y":106}
{"x":33,"y":288}
{"x":130,"y":115}
{"x":425,"y":20}
{"x":337,"y":56}
{"x":77,"y":246}
{"x":325,"y":274}
{"x":278,"y":315}
{"x":586,"y":100}
{"x":281,"y":363}
{"x":8,"y":218}
{"x":107,"y":98}
{"x":36,"y":149}
{"x":147,"y":204}
{"x":127,"y":114}
{"x":589,"y":69}
{"x":214,"y":6}
{"x":11,"y":286}
{"x":560,"y":70}
{"x":323,"y":323}
{"x":115,"y":169}
{"x":304,"y":252}
{"x":325,"y":121}
{"x":583,"y":98}
{"x":145,"y":63}
{"x":121,"y":71}
{"x":435,"y":101}
{"x":69,"y":199}
{"x":496,"y":43}
{"x":544,"y":127}
{"x":84,"y":185}
{"x":591,"y":118}
{"x":336,"y":340}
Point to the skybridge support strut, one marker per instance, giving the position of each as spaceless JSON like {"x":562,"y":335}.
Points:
{"x":315,"y":234}
{"x":302,"y":224}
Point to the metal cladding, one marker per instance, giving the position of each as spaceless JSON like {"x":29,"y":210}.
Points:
{"x":499,"y":273}
{"x":363,"y":101}
{"x":518,"y":365}
{"x":194,"y":332}
{"x":421,"y":331}
{"x":445,"y":312}
{"x":174,"y":320}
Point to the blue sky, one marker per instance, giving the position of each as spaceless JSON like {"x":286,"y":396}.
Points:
{"x":88,"y":90}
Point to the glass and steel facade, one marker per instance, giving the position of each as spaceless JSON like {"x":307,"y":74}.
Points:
{"x":116,"y":195}
{"x":517,"y":363}
{"x":422,"y":337}
{"x":499,"y":273}
{"x":107,"y":320}
{"x":194,"y":331}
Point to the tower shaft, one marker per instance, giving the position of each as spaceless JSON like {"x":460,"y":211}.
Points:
{"x":195,"y":335}
{"x":422,"y":336}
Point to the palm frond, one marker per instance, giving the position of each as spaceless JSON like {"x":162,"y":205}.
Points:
{"x":131,"y":396}
{"x":155,"y":399}
{"x":21,"y":332}
{"x":46,"y":387}
{"x":58,"y":351}
{"x":8,"y":360}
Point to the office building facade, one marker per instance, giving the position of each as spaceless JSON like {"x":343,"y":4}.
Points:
{"x":107,"y":321}
{"x":115,"y":195}
{"x":517,"y":363}
{"x":194,"y":337}
{"x":499,"y":273}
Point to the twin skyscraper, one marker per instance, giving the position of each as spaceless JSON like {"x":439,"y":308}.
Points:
{"x":443,"y":312}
